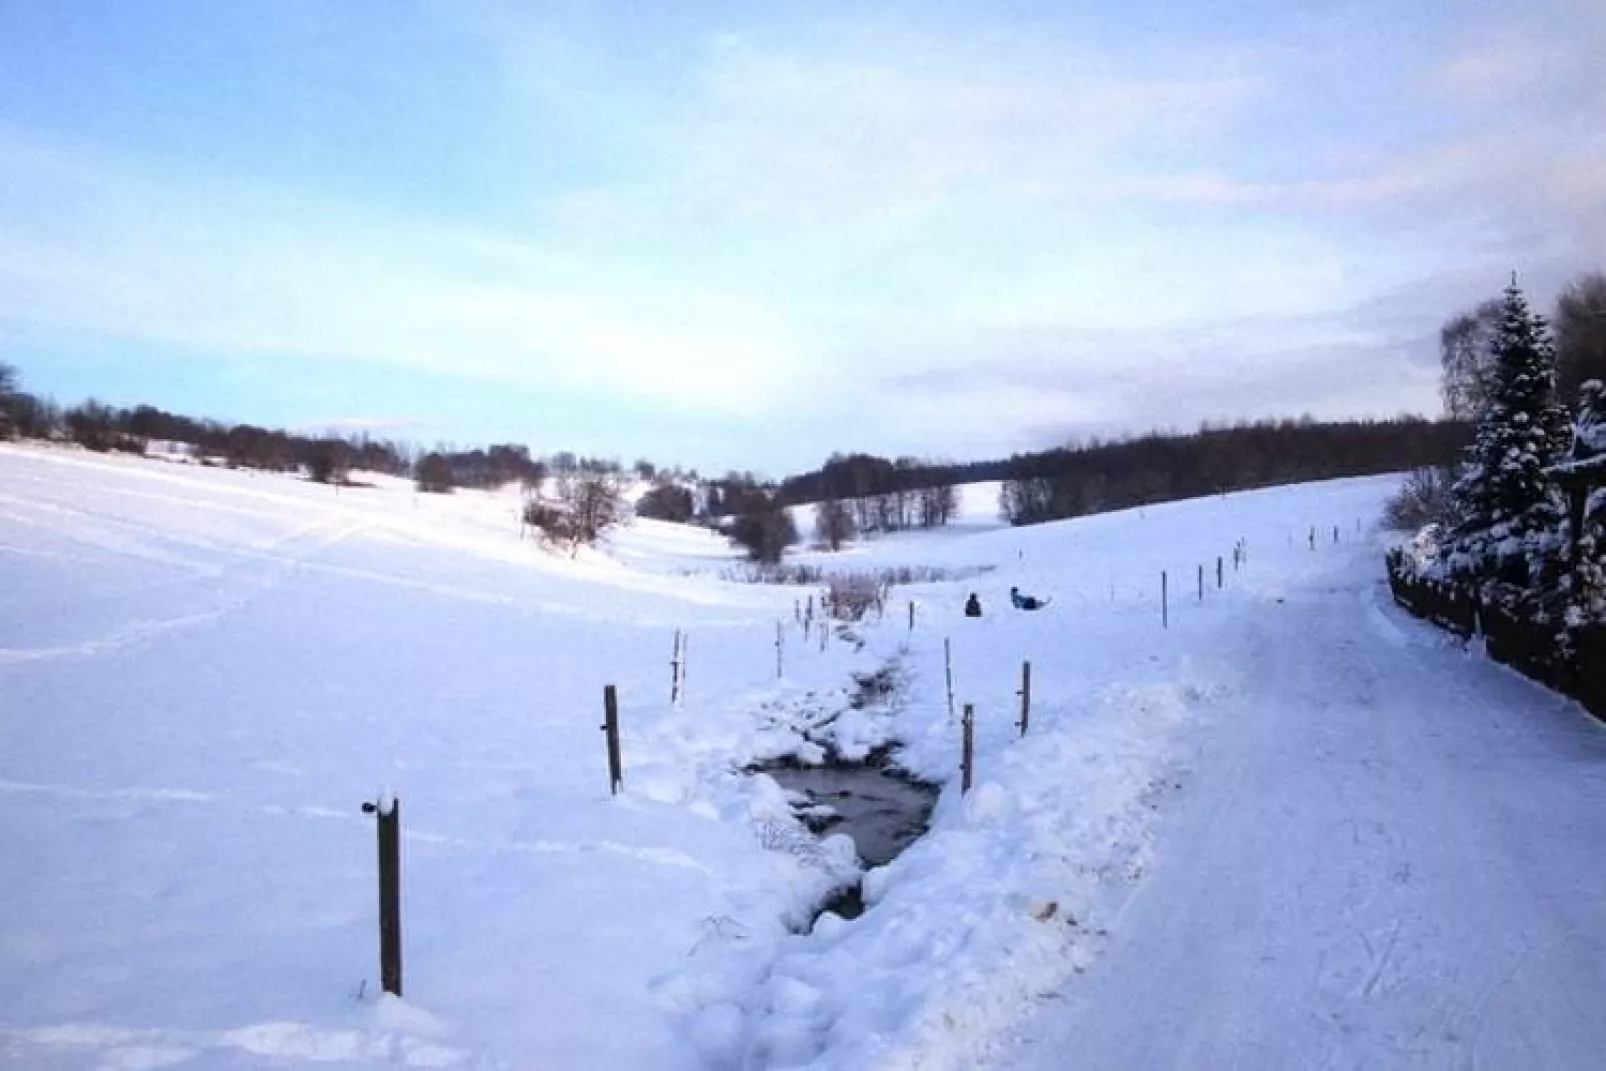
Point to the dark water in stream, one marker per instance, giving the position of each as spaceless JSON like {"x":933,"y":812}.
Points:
{"x":881,"y":811}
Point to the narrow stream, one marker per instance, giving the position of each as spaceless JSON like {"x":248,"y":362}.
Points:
{"x":882,"y":811}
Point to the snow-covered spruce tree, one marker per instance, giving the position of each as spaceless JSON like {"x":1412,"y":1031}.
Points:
{"x":1509,"y":529}
{"x":1586,"y":464}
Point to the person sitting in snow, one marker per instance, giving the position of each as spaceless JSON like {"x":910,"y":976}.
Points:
{"x":972,"y":606}
{"x":1025,"y":602}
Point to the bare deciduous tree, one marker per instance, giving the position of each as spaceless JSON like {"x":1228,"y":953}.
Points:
{"x":938,"y":504}
{"x":594,"y":500}
{"x":833,"y":522}
{"x":1580,"y":335}
{"x":1467,"y":358}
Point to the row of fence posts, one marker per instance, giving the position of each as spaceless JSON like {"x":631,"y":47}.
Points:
{"x":387,"y":811}
{"x":1240,"y":555}
{"x":1310,"y":536}
{"x":803,"y":616}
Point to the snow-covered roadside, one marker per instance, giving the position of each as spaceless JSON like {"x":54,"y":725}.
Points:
{"x":1391,"y":857}
{"x":204,"y":673}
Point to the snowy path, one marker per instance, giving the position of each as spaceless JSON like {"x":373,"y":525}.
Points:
{"x":1388,"y":855}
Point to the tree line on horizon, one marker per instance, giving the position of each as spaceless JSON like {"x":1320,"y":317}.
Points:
{"x":858,"y":494}
{"x":852,"y":494}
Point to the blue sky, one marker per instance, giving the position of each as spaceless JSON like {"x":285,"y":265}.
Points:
{"x":737,"y":235}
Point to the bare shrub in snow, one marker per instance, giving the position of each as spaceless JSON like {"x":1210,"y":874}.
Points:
{"x":1424,"y":498}
{"x":849,"y":596}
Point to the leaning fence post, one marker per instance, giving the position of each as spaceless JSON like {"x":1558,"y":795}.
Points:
{"x":1165,"y":610}
{"x":388,"y":811}
{"x":967,"y":756}
{"x":948,"y":669}
{"x":610,"y":725}
{"x":1025,"y":696}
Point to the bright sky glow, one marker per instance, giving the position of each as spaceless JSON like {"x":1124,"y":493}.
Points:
{"x":746,"y":235}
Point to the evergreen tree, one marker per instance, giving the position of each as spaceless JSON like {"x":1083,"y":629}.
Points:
{"x":1506,"y":502}
{"x":1587,"y":466}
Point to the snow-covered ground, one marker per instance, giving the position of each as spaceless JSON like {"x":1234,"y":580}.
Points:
{"x":1294,"y":827}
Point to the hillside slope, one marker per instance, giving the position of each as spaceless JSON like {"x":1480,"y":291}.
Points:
{"x":203,"y":674}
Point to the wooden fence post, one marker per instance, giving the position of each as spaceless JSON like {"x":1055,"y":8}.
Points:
{"x":1165,"y":610}
{"x":610,"y":725}
{"x":388,"y":812}
{"x":1218,"y":572}
{"x":1201,"y":583}
{"x":911,"y":615}
{"x":674,"y":673}
{"x":1025,"y":694}
{"x":778,"y":643}
{"x":948,"y":669}
{"x":967,"y":756}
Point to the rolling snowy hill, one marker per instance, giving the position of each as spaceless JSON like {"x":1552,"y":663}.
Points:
{"x":1291,"y":824}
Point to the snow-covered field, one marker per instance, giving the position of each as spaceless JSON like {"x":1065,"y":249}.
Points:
{"x":1194,"y":857}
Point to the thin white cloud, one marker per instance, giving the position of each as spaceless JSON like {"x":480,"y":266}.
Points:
{"x":1494,"y":70}
{"x":859,"y":133}
{"x":149,"y":255}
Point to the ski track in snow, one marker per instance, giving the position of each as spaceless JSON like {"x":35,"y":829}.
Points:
{"x":314,"y":537}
